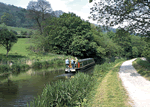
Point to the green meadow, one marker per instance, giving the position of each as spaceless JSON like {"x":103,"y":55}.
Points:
{"x":19,"y":51}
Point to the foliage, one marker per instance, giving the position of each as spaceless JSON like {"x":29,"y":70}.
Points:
{"x":45,"y":64}
{"x":8,"y":19}
{"x":4,"y":68}
{"x":70,"y":35}
{"x":122,"y":38}
{"x":23,"y":32}
{"x":7,"y":39}
{"x":139,"y":43}
{"x":39,"y":11}
{"x":115,"y":12}
{"x":63,"y":93}
{"x":146,"y":52}
{"x":15,"y":32}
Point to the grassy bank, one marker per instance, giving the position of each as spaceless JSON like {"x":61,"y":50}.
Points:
{"x":19,"y":51}
{"x":83,"y":89}
{"x":109,"y":92}
{"x":21,"y":57}
{"x":142,"y":67}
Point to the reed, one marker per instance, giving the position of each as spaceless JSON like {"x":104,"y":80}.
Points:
{"x":70,"y":92}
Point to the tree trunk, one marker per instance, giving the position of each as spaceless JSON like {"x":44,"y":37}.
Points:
{"x":7,"y":53}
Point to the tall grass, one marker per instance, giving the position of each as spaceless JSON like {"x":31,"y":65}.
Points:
{"x":70,"y":92}
{"x":46,"y":64}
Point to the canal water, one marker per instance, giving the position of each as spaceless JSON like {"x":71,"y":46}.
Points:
{"x":18,"y":93}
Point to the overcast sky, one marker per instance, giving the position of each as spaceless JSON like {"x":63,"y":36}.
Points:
{"x":79,"y":7}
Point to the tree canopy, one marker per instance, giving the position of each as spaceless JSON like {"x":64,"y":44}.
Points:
{"x":39,"y":11}
{"x":114,"y":12}
{"x":7,"y":39}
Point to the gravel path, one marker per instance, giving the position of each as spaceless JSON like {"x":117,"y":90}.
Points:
{"x":137,"y":87}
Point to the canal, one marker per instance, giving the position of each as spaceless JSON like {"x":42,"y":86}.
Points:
{"x":18,"y":93}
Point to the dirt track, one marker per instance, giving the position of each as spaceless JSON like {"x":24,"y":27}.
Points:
{"x":137,"y":87}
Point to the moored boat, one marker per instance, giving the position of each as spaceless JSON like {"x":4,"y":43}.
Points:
{"x":81,"y":65}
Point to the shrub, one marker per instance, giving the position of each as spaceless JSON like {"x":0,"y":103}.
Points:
{"x":4,"y":68}
{"x":30,"y":33}
{"x":58,"y":62}
{"x":24,"y":67}
{"x":45,"y":64}
{"x":16,"y":68}
{"x":37,"y":65}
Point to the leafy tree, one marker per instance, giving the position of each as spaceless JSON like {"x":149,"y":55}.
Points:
{"x":7,"y":39}
{"x":146,"y":52}
{"x":139,"y":43}
{"x":115,"y":12}
{"x":69,"y":35}
{"x":122,"y":38}
{"x":39,"y":11}
{"x":111,"y":34}
{"x":134,"y":52}
{"x":8,"y":19}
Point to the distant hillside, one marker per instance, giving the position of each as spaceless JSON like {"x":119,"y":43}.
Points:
{"x":19,"y":15}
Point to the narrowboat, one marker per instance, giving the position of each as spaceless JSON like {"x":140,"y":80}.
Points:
{"x":81,"y":65}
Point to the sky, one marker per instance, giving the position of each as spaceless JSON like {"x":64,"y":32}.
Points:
{"x":79,"y":7}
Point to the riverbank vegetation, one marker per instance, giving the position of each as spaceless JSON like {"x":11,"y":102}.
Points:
{"x":142,"y":67}
{"x":80,"y":90}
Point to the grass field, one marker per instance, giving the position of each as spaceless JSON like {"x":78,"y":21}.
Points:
{"x":19,"y":51}
{"x":18,"y":29}
{"x":142,"y":67}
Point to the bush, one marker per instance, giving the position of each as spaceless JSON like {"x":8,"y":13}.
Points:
{"x":30,"y":33}
{"x":4,"y":68}
{"x":16,"y":68}
{"x":58,"y":62}
{"x":23,"y":32}
{"x":37,"y":65}
{"x":45,"y":64}
{"x":24,"y":67}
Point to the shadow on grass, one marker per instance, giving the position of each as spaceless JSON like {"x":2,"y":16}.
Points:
{"x":11,"y":57}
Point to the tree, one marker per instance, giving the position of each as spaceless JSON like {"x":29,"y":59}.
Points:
{"x":134,"y":52}
{"x":115,"y":12}
{"x":139,"y":43}
{"x":69,"y":35}
{"x":122,"y":38}
{"x":39,"y":11}
{"x":111,"y":34}
{"x":146,"y":52}
{"x":7,"y":39}
{"x":8,"y":19}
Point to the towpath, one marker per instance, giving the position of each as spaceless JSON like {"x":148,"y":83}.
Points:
{"x":137,"y":87}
